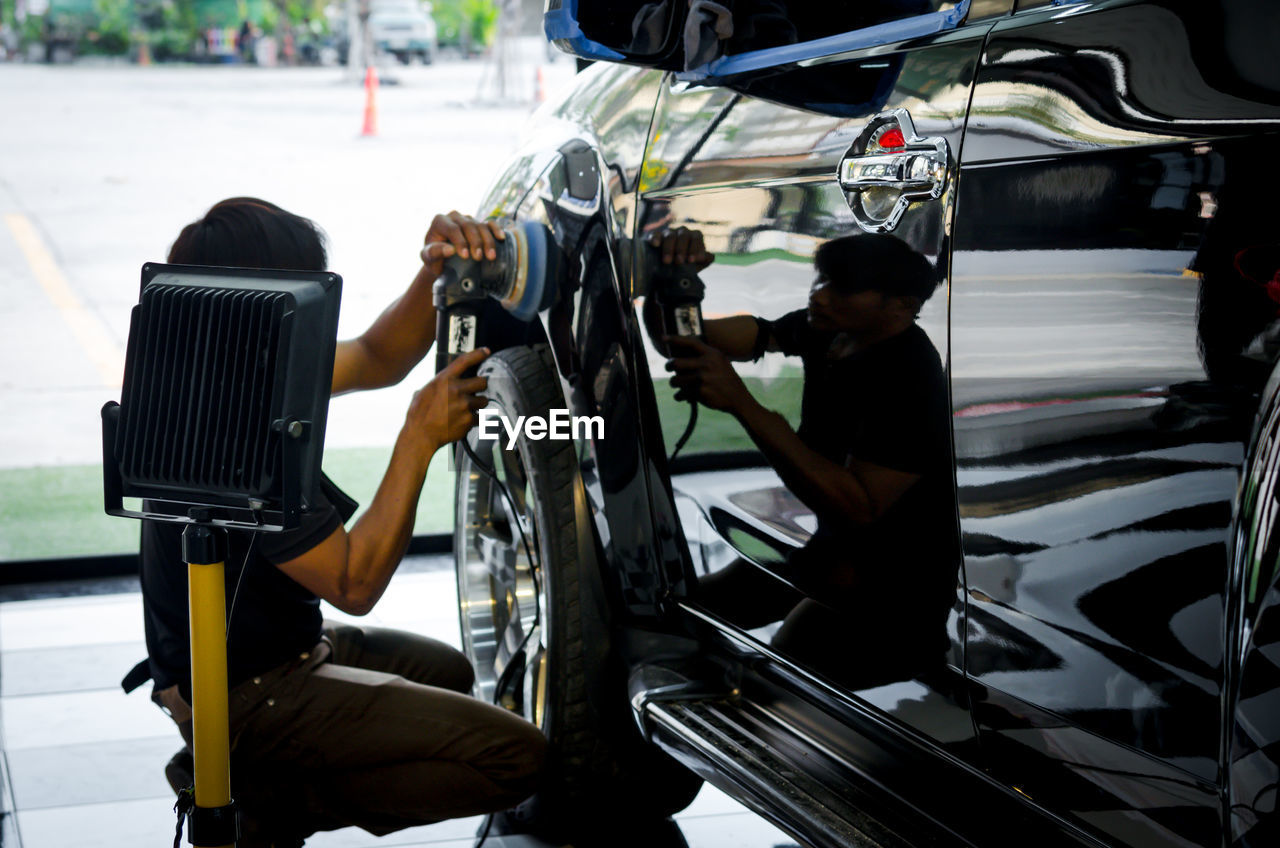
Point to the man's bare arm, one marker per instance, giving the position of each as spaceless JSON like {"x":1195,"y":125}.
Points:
{"x":860,"y":492}
{"x":735,"y":336}
{"x":401,"y":336}
{"x":351,"y":570}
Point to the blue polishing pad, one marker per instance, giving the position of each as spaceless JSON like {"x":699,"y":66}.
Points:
{"x":532,"y":254}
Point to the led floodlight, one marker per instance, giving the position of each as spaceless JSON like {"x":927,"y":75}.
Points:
{"x":226,"y":391}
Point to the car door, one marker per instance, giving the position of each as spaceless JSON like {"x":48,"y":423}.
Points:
{"x":1105,"y":365}
{"x":790,"y":150}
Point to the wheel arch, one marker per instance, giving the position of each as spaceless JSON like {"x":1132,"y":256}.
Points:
{"x":1251,"y":720}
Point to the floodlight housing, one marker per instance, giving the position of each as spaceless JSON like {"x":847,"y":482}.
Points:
{"x":225,"y":397}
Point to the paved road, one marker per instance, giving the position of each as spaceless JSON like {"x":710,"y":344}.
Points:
{"x":102,"y":166}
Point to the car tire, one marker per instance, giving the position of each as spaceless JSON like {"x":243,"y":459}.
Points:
{"x":563,"y":679}
{"x":1254,"y":737}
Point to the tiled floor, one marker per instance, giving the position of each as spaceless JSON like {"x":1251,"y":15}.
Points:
{"x":83,"y":762}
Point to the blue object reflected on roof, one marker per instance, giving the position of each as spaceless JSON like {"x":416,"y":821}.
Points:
{"x":562,"y":25}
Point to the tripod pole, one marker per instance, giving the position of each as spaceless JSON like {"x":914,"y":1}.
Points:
{"x":213,"y":821}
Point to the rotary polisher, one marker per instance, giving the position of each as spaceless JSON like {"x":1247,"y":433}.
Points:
{"x":521,"y":278}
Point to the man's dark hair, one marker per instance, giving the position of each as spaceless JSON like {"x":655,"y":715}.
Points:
{"x":245,"y":232}
{"x":876,"y":262}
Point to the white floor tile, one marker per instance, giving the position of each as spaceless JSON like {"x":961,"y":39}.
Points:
{"x":47,"y":671}
{"x":710,"y":802}
{"x":65,"y":622}
{"x":733,"y":830}
{"x":128,"y":824}
{"x":91,"y":774}
{"x":354,"y":837}
{"x":47,"y":721}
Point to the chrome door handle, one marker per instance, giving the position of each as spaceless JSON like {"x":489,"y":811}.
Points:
{"x":913,"y":170}
{"x":889,"y":167}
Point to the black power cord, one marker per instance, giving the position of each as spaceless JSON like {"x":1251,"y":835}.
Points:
{"x":688,"y":428}
{"x":244,"y":566}
{"x":504,"y":679}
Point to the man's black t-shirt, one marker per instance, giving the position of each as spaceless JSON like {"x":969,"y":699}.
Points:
{"x":885,"y":404}
{"x":273,"y":620}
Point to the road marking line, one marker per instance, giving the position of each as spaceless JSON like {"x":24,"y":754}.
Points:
{"x":103,"y":352}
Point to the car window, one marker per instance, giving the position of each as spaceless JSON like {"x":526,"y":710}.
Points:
{"x":399,"y":7}
{"x":734,"y":28}
{"x":983,"y":9}
{"x":771,"y":33}
{"x":620,"y":23}
{"x":845,"y":88}
{"x":759,"y":24}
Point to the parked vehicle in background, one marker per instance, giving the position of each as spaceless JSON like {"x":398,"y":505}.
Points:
{"x":403,"y":28}
{"x":58,"y":32}
{"x":1107,"y":312}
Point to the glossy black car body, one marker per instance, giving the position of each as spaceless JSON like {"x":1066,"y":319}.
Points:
{"x":1107,"y":251}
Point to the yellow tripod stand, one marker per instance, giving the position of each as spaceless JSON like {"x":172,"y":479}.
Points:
{"x":213,"y":822}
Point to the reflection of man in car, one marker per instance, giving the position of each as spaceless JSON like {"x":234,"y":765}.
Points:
{"x":871,"y":458}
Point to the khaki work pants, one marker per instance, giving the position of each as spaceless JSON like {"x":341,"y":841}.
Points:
{"x":373,"y":728}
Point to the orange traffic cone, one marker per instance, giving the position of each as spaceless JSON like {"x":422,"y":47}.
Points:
{"x":540,"y":87}
{"x":370,"y":102}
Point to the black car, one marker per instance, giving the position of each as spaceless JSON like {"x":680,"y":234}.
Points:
{"x":1099,"y":587}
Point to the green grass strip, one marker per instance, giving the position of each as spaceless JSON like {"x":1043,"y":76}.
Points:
{"x":54,"y":512}
{"x":718,"y":432}
{"x":777,"y":253}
